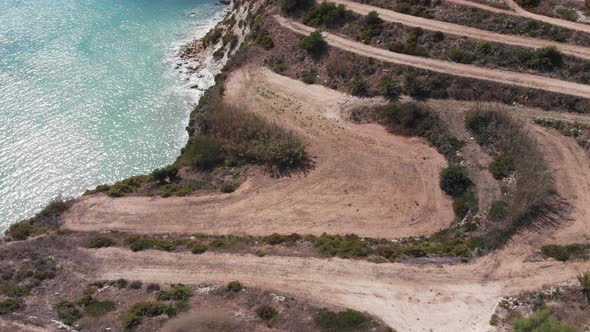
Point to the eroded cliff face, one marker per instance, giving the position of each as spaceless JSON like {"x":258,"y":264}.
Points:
{"x":204,"y":58}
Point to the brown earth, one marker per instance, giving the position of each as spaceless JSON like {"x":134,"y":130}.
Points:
{"x":460,"y":30}
{"x":451,"y":68}
{"x":365,"y":180}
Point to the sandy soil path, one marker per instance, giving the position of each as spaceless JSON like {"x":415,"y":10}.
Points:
{"x":407,"y":297}
{"x":451,"y":68}
{"x":366,"y":180}
{"x":551,"y":20}
{"x":460,"y":30}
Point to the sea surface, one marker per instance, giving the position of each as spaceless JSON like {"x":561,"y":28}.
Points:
{"x":89,"y":93}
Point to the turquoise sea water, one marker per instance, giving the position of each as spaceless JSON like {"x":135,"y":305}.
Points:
{"x":89,"y":93}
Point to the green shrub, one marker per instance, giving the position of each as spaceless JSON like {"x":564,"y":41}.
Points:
{"x":461,"y":56}
{"x":198,"y":247}
{"x":8,"y":306}
{"x":121,"y":283}
{"x":229,"y":187}
{"x":372,"y":26}
{"x":136,"y":284}
{"x":494,"y":320}
{"x":276,"y":64}
{"x":347,"y":320}
{"x":502,"y":165}
{"x":266,"y":312}
{"x":127,"y":186}
{"x":546,"y":58}
{"x":294,"y":6}
{"x":177,"y":292}
{"x":464,"y":203}
{"x":276,"y":239}
{"x":202,"y":152}
{"x":327,"y":14}
{"x":146,"y":309}
{"x":482,"y":48}
{"x":358,"y":86}
{"x":566,"y":252}
{"x":166,"y":173}
{"x":314,"y":43}
{"x":22,"y":230}
{"x":347,"y":246}
{"x":498,"y":210}
{"x":309,"y":76}
{"x":100,"y":242}
{"x":567,"y":13}
{"x":139,"y":243}
{"x":454,"y":180}
{"x":528,"y":3}
{"x":13,"y":290}
{"x":264,"y":40}
{"x":234,"y":286}
{"x":390,"y":89}
{"x":96,"y":308}
{"x":541,"y":321}
{"x":67,"y":312}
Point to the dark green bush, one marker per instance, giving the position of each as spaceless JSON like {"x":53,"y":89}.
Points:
{"x":100,"y":242}
{"x":169,"y":172}
{"x":96,"y":308}
{"x":347,"y":246}
{"x":358,"y":86}
{"x":264,"y":40}
{"x":13,"y":290}
{"x":454,"y":180}
{"x":327,"y":14}
{"x":67,"y":312}
{"x":229,"y":187}
{"x":541,"y":321}
{"x":498,"y":210}
{"x":546,"y":58}
{"x":464,"y":203}
{"x":136,"y":284}
{"x":198,"y":247}
{"x":146,"y":309}
{"x":203,"y":153}
{"x":373,"y":26}
{"x":309,"y":76}
{"x":276,"y":239}
{"x":566,"y":252}
{"x":139,"y":243}
{"x":266,"y":312}
{"x":461,"y":56}
{"x":390,"y":89}
{"x":22,"y":230}
{"x":234,"y":286}
{"x":294,"y":6}
{"x":8,"y":306}
{"x":528,"y":3}
{"x":347,"y":320}
{"x":177,"y":292}
{"x":502,"y":165}
{"x":314,"y":43}
{"x":121,"y":283}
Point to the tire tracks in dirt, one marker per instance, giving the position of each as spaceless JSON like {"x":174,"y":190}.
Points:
{"x":464,"y":31}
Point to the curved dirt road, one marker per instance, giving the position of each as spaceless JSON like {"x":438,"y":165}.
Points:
{"x":407,"y":297}
{"x":551,"y":20}
{"x":366,"y":180}
{"x":460,"y":30}
{"x":451,"y":68}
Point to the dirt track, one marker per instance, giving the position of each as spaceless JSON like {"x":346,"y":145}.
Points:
{"x":551,"y":20}
{"x":460,"y":30}
{"x":366,"y":181}
{"x":451,"y":68}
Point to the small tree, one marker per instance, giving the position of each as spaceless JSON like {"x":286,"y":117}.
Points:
{"x":390,"y":89}
{"x":584,"y":280}
{"x":314,"y":43}
{"x":454,"y":180}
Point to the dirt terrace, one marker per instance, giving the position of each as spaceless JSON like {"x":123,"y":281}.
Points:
{"x":365,"y":180}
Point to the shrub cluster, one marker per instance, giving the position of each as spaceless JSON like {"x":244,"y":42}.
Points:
{"x":264,"y":40}
{"x":541,"y":321}
{"x":372,"y":26}
{"x":177,"y":292}
{"x":100,"y":242}
{"x":8,"y":306}
{"x":234,"y":286}
{"x":139,"y":310}
{"x":454,"y":180}
{"x":46,"y":218}
{"x":139,"y":243}
{"x":266,"y":312}
{"x":168,"y":173}
{"x":295,"y":6}
{"x":347,"y":246}
{"x":566,"y":252}
{"x":314,"y":43}
{"x":327,"y":14}
{"x":68,"y":312}
{"x":347,"y":320}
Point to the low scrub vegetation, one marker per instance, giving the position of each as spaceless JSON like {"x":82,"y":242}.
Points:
{"x":327,"y":14}
{"x":231,"y":133}
{"x":314,"y":44}
{"x":13,"y":290}
{"x":454,"y":180}
{"x":264,"y":40}
{"x":584,"y":280}
{"x":38,"y":224}
{"x":579,"y":131}
{"x":347,"y":246}
{"x":8,"y":306}
{"x":566,"y":252}
{"x":177,"y":292}
{"x":347,"y":320}
{"x":541,"y":321}
{"x":372,"y":26}
{"x":234,"y":286}
{"x":295,"y":6}
{"x":140,"y":310}
{"x":266,"y":312}
{"x":532,"y":195}
{"x":68,"y":312}
{"x":139,"y":243}
{"x":100,"y":242}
